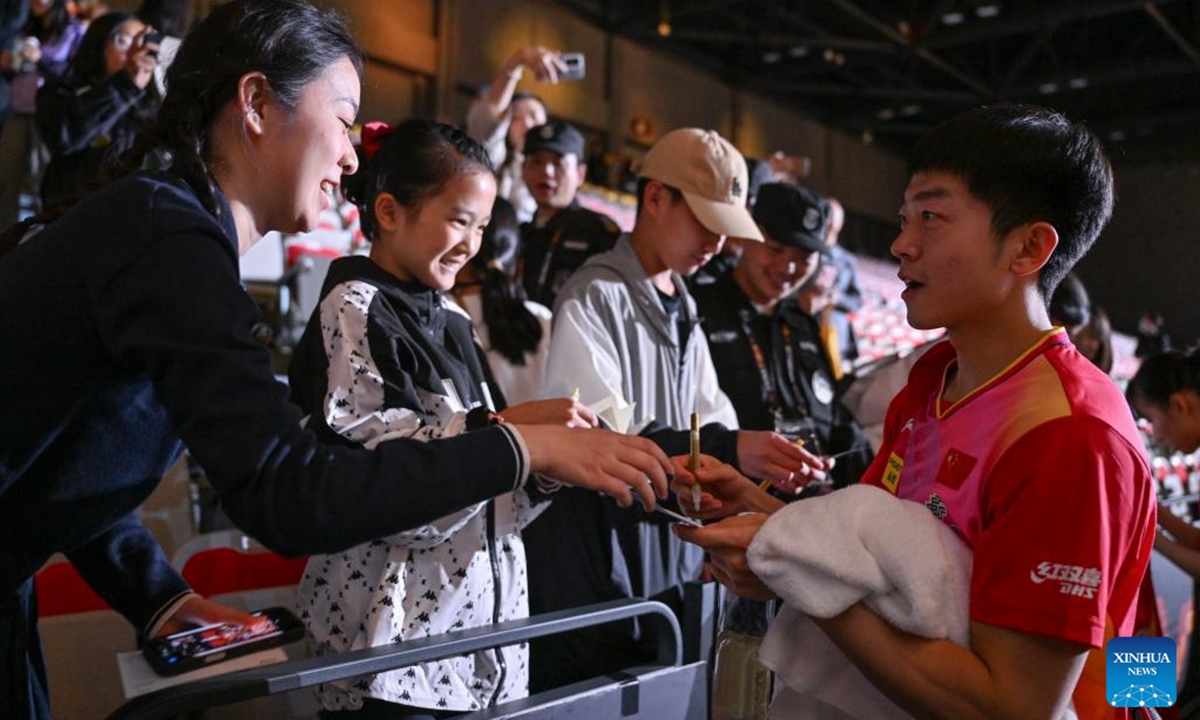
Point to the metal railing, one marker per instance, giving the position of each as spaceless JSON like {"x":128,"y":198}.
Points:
{"x":295,"y":675}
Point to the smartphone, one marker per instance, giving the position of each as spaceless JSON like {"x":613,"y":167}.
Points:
{"x":199,"y":647}
{"x":575,"y":67}
{"x":153,"y":36}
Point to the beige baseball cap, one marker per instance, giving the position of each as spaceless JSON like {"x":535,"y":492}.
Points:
{"x":712,"y":176}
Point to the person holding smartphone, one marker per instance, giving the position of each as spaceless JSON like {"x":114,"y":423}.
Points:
{"x":93,"y":114}
{"x":501,"y":116}
{"x":134,"y":338}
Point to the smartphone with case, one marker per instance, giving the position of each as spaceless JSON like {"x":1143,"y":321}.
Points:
{"x":574,"y":66}
{"x":202,"y":646}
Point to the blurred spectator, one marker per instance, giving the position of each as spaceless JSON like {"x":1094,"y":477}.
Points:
{"x":515,"y":332}
{"x":500,"y":117}
{"x":563,"y":234}
{"x":87,"y":11}
{"x":1070,"y":305}
{"x":170,"y":17}
{"x":1086,"y":325}
{"x":13,"y":16}
{"x":91,"y":116}
{"x":845,"y":295}
{"x":1166,"y":391}
{"x":789,"y":168}
{"x":1152,"y":336}
{"x":1094,"y":340}
{"x":43,"y":52}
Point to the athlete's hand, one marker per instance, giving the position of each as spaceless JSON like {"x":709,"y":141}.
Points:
{"x":726,"y":542}
{"x":724,"y":490}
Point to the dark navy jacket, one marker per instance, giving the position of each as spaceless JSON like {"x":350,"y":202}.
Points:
{"x":127,"y":334}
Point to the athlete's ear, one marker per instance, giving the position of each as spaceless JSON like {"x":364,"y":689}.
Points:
{"x":1032,"y":245}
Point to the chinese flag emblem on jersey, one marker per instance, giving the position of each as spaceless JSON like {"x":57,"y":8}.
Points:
{"x":955,"y":468}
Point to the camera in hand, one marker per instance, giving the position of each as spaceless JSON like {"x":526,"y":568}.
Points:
{"x":202,"y":646}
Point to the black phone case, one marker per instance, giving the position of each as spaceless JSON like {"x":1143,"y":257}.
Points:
{"x":158,"y":653}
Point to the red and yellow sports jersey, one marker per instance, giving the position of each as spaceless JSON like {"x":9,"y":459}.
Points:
{"x":1041,"y":471}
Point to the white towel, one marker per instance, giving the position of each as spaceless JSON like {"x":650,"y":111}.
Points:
{"x":824,"y":554}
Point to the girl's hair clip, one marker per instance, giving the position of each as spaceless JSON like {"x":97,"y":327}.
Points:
{"x":374,"y":135}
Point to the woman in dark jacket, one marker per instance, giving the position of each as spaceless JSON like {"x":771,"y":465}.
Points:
{"x":135,"y":338}
{"x":92,"y":115}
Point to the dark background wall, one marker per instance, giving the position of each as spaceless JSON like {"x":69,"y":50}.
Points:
{"x":1149,"y":257}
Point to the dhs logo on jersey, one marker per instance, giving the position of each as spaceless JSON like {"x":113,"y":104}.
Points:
{"x":1140,"y":672}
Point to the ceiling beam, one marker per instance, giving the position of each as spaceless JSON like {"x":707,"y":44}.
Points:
{"x":1180,"y":41}
{"x":1052,"y":15}
{"x":1111,"y":75}
{"x":874,"y":92}
{"x":1026,"y":56}
{"x":781,"y":40}
{"x":924,"y":54}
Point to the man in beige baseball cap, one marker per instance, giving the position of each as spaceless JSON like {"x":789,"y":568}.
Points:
{"x":627,"y":336}
{"x":710,"y":173}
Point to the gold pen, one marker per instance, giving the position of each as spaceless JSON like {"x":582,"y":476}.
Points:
{"x":694,"y":464}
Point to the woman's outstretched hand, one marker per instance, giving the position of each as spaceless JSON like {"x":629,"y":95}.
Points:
{"x":617,"y":465}
{"x":198,"y":610}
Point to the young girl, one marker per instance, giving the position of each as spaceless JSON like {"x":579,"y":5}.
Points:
{"x":514,"y":331}
{"x":387,"y":355}
{"x":1166,"y":391}
{"x":137,"y":333}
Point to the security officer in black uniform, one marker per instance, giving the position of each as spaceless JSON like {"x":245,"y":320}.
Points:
{"x":562,"y":234}
{"x":768,"y":353}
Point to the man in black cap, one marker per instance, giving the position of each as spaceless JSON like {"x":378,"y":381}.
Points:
{"x":768,"y":354}
{"x":562,"y":234}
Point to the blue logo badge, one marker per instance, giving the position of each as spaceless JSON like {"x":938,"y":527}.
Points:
{"x":1140,"y":672}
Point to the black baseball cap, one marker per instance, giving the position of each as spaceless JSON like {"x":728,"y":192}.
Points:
{"x":555,"y":136}
{"x":793,"y":215}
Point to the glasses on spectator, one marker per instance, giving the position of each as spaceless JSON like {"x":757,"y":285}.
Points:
{"x":123,"y":42}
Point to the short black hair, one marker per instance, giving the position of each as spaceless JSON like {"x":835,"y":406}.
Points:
{"x":1028,"y":164}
